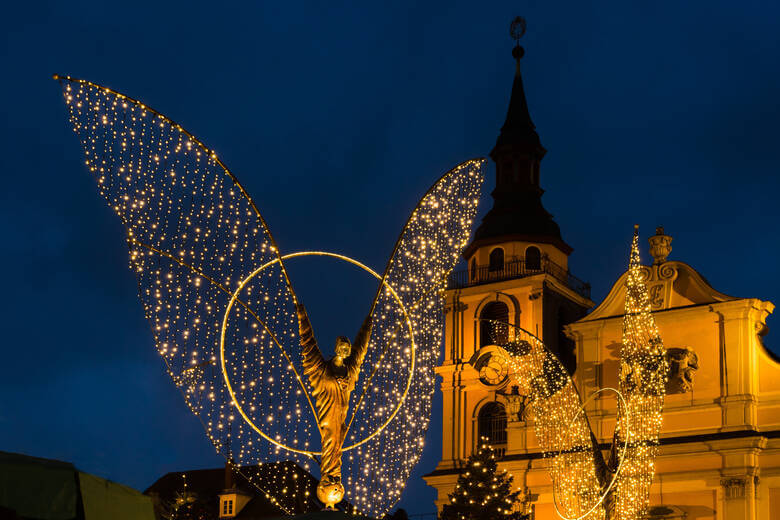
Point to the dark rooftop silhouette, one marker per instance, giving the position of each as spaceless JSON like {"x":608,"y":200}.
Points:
{"x":208,"y":484}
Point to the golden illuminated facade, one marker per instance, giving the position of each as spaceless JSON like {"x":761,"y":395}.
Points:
{"x":720,"y":439}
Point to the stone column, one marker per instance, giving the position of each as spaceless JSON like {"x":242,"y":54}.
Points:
{"x":738,"y":498}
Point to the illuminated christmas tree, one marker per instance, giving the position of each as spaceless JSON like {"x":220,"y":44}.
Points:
{"x":482,"y":491}
{"x":186,"y":505}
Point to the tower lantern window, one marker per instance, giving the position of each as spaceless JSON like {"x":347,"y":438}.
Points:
{"x":507,"y":174}
{"x":496,"y":260}
{"x":533,"y":259}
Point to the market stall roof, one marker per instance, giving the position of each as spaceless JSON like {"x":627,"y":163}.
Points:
{"x":46,"y":489}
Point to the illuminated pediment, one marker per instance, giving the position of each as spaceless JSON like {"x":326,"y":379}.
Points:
{"x":670,"y":285}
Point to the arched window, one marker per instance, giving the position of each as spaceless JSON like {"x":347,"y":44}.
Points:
{"x":473,"y":270}
{"x":491,"y":424}
{"x":533,"y":259}
{"x":496,"y":260}
{"x":492,"y":324}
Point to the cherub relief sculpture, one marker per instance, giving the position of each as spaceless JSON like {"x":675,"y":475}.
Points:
{"x":683,"y":363}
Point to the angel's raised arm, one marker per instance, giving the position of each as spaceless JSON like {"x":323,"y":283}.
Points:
{"x":359,"y":347}
{"x":312,"y":357}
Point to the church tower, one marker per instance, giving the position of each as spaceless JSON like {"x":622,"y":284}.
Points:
{"x":517,"y":272}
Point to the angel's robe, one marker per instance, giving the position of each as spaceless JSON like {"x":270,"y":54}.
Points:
{"x":331,"y":388}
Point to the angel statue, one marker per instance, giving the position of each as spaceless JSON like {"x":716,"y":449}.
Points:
{"x":232,"y":333}
{"x":586,"y":486}
{"x":332,"y":383}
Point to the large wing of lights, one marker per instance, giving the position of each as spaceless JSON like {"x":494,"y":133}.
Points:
{"x":560,"y":424}
{"x":643,"y":373}
{"x":196,"y":241}
{"x":586,"y":486}
{"x":391,"y":406}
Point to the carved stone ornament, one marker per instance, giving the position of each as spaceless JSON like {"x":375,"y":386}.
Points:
{"x":517,"y":404}
{"x":733,"y":488}
{"x":659,"y":279}
{"x":660,"y":245}
{"x":683,"y":363}
{"x":656,"y":295}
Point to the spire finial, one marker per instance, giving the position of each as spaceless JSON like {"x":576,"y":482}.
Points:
{"x":516,"y":31}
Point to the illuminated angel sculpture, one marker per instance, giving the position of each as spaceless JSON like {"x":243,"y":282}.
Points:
{"x":226,"y":321}
{"x":585,"y":485}
{"x":332,"y":382}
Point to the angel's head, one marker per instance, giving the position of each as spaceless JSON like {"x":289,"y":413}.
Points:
{"x":343,"y":347}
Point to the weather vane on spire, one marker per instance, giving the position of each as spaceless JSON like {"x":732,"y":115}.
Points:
{"x":517,"y":30}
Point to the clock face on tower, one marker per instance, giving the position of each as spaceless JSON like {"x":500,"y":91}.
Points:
{"x":493,"y":369}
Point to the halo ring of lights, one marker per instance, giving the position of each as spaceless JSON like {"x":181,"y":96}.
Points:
{"x":622,"y":401}
{"x":223,"y":363}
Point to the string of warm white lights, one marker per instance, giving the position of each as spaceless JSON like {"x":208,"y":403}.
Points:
{"x":561,"y":428}
{"x":584,"y":485}
{"x":195,"y":236}
{"x":643,"y":373}
{"x":426,"y":252}
{"x":481,"y":488}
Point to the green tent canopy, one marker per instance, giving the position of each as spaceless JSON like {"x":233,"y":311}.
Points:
{"x":44,"y":489}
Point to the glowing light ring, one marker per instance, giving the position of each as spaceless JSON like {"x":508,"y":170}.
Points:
{"x":234,"y":297}
{"x":622,"y":455}
{"x":622,"y":401}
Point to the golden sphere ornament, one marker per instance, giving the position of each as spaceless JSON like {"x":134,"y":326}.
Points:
{"x":330,"y":493}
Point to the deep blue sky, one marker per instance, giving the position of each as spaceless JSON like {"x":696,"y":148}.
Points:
{"x":337,"y":118}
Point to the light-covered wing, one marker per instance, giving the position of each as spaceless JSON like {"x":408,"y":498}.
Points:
{"x":643,"y":373}
{"x":392,"y":399}
{"x":560,"y":424}
{"x":198,"y":245}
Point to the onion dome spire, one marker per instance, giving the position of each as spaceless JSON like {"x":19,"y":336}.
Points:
{"x":517,"y":212}
{"x":518,"y":127}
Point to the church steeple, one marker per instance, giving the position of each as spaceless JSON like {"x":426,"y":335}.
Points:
{"x":518,"y":128}
{"x":517,"y":212}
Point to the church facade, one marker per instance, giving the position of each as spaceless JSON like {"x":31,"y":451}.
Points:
{"x":720,"y":442}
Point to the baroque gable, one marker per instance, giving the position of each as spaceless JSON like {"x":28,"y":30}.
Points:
{"x":670,"y":285}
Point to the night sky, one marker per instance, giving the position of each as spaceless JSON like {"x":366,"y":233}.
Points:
{"x":337,"y":118}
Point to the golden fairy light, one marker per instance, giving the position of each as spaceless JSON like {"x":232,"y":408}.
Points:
{"x":222,"y":309}
{"x":585,"y":485}
{"x":643,"y":373}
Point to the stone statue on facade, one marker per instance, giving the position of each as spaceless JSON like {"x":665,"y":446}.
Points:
{"x":683,"y":363}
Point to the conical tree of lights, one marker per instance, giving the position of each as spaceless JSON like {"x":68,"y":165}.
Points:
{"x":483,"y":492}
{"x":643,"y":373}
{"x":585,"y":485}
